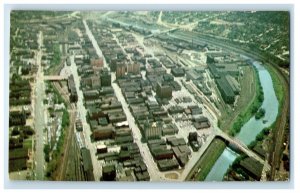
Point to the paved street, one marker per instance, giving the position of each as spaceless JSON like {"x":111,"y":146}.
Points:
{"x":39,"y":112}
{"x":94,"y":42}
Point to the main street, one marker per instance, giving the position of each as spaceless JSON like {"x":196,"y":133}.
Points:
{"x":39,"y":113}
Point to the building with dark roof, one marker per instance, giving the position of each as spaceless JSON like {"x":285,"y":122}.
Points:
{"x":167,"y":164}
{"x":109,"y":173}
{"x":72,"y":89}
{"x":226,"y":90}
{"x":105,"y":77}
{"x":253,"y":167}
{"x":178,"y":72}
{"x":87,"y":164}
{"x":164,"y":90}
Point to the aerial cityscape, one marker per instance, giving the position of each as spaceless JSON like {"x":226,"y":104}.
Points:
{"x":149,"y":96}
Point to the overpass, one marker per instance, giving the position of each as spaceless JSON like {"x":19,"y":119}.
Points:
{"x":162,"y":32}
{"x":55,"y":78}
{"x":240,"y":146}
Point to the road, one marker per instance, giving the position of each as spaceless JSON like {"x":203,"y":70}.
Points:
{"x":39,"y":113}
{"x":94,"y":42}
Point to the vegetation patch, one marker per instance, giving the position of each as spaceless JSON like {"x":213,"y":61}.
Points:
{"x":277,"y":84}
{"x":209,"y":158}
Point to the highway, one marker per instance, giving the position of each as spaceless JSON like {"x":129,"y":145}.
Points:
{"x":192,"y":163}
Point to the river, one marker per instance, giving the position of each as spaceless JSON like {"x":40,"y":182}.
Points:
{"x":252,"y":128}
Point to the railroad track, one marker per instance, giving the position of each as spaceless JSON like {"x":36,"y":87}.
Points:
{"x":67,"y":144}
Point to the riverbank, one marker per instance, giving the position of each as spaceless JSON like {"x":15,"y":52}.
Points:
{"x":207,"y":160}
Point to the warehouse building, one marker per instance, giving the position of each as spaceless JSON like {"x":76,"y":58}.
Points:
{"x":226,"y":90}
{"x":153,"y":131}
{"x":87,"y":164}
{"x":167,"y":164}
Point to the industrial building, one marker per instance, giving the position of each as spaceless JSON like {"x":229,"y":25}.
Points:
{"x":87,"y":164}
{"x":133,"y":68}
{"x":226,"y":90}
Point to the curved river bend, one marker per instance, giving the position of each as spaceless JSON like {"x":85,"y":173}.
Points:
{"x":252,"y":128}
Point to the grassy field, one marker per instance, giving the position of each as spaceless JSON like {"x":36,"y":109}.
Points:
{"x":208,"y":159}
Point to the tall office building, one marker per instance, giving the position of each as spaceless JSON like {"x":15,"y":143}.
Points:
{"x":105,"y":77}
{"x":120,"y":71}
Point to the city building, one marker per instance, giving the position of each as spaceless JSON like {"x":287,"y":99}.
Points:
{"x":133,"y":68}
{"x":109,"y":173}
{"x":72,"y":89}
{"x":164,"y":91}
{"x":153,"y":132}
{"x":87,"y":164}
{"x":105,"y":77}
{"x":120,"y":71}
